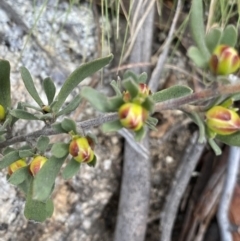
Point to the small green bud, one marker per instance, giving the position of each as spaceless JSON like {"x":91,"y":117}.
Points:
{"x":222,"y":121}
{"x":224,"y":60}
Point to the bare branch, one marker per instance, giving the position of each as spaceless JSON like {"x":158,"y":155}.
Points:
{"x":154,"y":81}
{"x":231,"y":179}
{"x":182,"y":177}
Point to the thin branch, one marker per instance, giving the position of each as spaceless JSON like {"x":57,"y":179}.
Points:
{"x":231,"y":179}
{"x":182,"y":177}
{"x":154,"y":81}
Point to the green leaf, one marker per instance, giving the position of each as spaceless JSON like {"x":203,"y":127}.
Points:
{"x":49,"y":89}
{"x":22,"y":114}
{"x":213,"y":38}
{"x":151,"y":122}
{"x":98,"y":100}
{"x":139,"y":135}
{"x":130,"y":75}
{"x":29,"y":85}
{"x":36,"y":210}
{"x":231,"y":140}
{"x":71,"y":169}
{"x":74,"y":103}
{"x":142,"y":78}
{"x":173,"y":92}
{"x":69,"y":125}
{"x":60,"y":149}
{"x":5,"y":92}
{"x":58,"y":127}
{"x":26,"y":153}
{"x":112,"y":126}
{"x":44,"y":180}
{"x":93,"y":162}
{"x":115,"y":102}
{"x":215,"y":147}
{"x":116,"y":88}
{"x":43,"y":143}
{"x":19,"y":176}
{"x":9,"y":159}
{"x":197,"y":27}
{"x":132,"y":87}
{"x":14,"y":119}
{"x":196,"y":56}
{"x":229,"y":36}
{"x":77,"y":76}
{"x":148,"y":104}
{"x":8,"y":150}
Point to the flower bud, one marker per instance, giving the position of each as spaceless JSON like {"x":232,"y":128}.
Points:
{"x":80,"y":149}
{"x":224,"y":60}
{"x":144,"y":91}
{"x":132,"y":116}
{"x":16,"y":165}
{"x":2,"y":113}
{"x":36,"y":164}
{"x":222,"y":121}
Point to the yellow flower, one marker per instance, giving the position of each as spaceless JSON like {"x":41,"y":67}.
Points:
{"x":36,"y":164}
{"x":2,"y":113}
{"x":16,"y":165}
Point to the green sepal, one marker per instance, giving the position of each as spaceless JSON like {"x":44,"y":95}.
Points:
{"x":44,"y":180}
{"x":43,"y":143}
{"x":71,"y":169}
{"x":5,"y":91}
{"x":19,"y":176}
{"x":173,"y":92}
{"x":93,"y":162}
{"x":29,"y":85}
{"x":148,"y":104}
{"x":116,"y":87}
{"x":98,"y":100}
{"x":229,"y":36}
{"x":77,"y":76}
{"x":231,"y":140}
{"x":139,"y":135}
{"x":197,"y":27}
{"x":197,"y":57}
{"x":213,"y":38}
{"x":142,"y":78}
{"x":8,"y":159}
{"x":26,"y":105}
{"x":60,"y":149}
{"x":112,"y":126}
{"x":37,"y":211}
{"x":22,"y":114}
{"x":132,"y":87}
{"x":69,"y":125}
{"x":73,"y":104}
{"x":217,"y":150}
{"x":49,"y":89}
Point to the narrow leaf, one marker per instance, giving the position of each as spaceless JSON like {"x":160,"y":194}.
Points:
{"x":173,"y":92}
{"x":22,"y":114}
{"x":29,"y":85}
{"x":49,"y":89}
{"x":43,"y":143}
{"x":5,"y":92}
{"x":60,"y":149}
{"x":71,"y":169}
{"x":44,"y":181}
{"x":116,"y":88}
{"x":74,"y":103}
{"x":19,"y":176}
{"x":77,"y":76}
{"x":69,"y":125}
{"x":98,"y":100}
{"x":197,"y":27}
{"x":9,"y":159}
{"x":131,"y":86}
